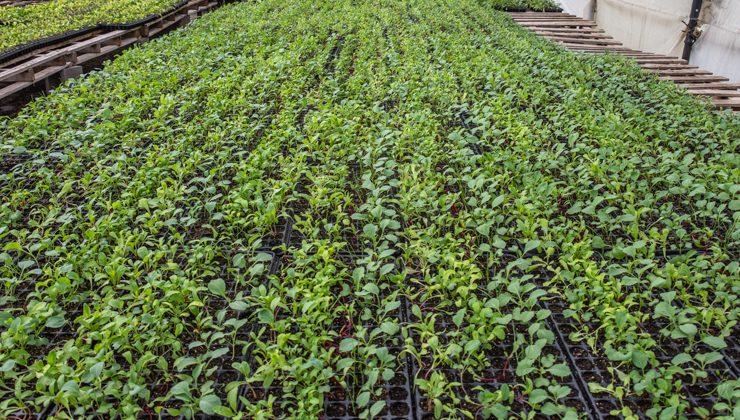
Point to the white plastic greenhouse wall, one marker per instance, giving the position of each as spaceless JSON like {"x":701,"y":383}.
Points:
{"x":657,"y":26}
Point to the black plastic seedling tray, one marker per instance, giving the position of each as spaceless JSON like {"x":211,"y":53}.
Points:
{"x":501,"y":372}
{"x":403,"y":400}
{"x":396,"y":393}
{"x":592,"y":368}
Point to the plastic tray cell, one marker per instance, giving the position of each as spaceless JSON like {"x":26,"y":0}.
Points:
{"x":593,"y":368}
{"x":351,"y":242}
{"x":732,"y":352}
{"x":10,"y":161}
{"x":277,"y":236}
{"x":500,"y":370}
{"x":396,"y":394}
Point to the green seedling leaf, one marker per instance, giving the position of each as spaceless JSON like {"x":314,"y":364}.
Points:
{"x":370,"y":230}
{"x":714,"y":342}
{"x":184,"y":362}
{"x":217,"y":287}
{"x":531,"y":245}
{"x":537,"y":396}
{"x":345,"y":363}
{"x":472,"y":345}
{"x":362,"y":399}
{"x":347,"y":345}
{"x":239,"y":305}
{"x":497,"y":201}
{"x":390,"y":328}
{"x":681,"y":359}
{"x":239,"y":261}
{"x":377,"y":408}
{"x":224,"y":412}
{"x":371,"y":288}
{"x":266,"y":316}
{"x":561,"y":370}
{"x":484,"y":229}
{"x":55,"y":322}
{"x":459,"y":317}
{"x":387,"y":268}
{"x":262,"y":257}
{"x":181,"y":389}
{"x":209,"y":403}
{"x":639,"y":359}
{"x":7,"y":366}
{"x":688,"y":329}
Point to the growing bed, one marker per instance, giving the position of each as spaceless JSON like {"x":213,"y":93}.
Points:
{"x":385,"y":209}
{"x":24,"y":24}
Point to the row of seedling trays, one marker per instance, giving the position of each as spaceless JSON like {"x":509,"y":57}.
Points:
{"x":404,"y":400}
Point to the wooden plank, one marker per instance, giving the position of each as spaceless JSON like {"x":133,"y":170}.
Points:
{"x":39,"y":52}
{"x":637,"y":56}
{"x":600,"y":47}
{"x":575,"y":49}
{"x":29,"y":65}
{"x":208,"y":7}
{"x":687,"y":72}
{"x":49,"y":71}
{"x":536,"y":14}
{"x":56,"y":57}
{"x":658,"y":61}
{"x":545,"y":19}
{"x":161,"y":28}
{"x":14,"y":88}
{"x":640,"y":54}
{"x":195,"y":4}
{"x":92,"y":42}
{"x":91,"y":49}
{"x":542,"y":15}
{"x":654,"y":66}
{"x":558,"y":24}
{"x":570,"y":40}
{"x":69,"y":57}
{"x":566,"y":29}
{"x":573,"y":34}
{"x":570,"y":30}
{"x":716,"y":93}
{"x":727,"y":103}
{"x":529,"y":12}
{"x":27,"y":75}
{"x":529,"y":18}
{"x":711,"y":85}
{"x":695,"y":79}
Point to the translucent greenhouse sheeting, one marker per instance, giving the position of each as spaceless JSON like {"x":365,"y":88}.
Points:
{"x":657,"y":26}
{"x":582,"y":8}
{"x":718,"y":47}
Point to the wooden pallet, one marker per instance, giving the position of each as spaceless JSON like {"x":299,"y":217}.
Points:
{"x":38,"y":66}
{"x":584,"y":36}
{"x":20,"y":3}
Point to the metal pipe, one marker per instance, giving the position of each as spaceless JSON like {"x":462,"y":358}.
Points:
{"x":691,"y":29}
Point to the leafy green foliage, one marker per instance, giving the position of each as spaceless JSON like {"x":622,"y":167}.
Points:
{"x":523,"y":5}
{"x":449,"y":177}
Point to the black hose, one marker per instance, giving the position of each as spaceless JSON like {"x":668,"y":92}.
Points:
{"x":691,"y":29}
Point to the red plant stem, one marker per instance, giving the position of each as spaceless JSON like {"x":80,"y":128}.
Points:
{"x":503,"y":372}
